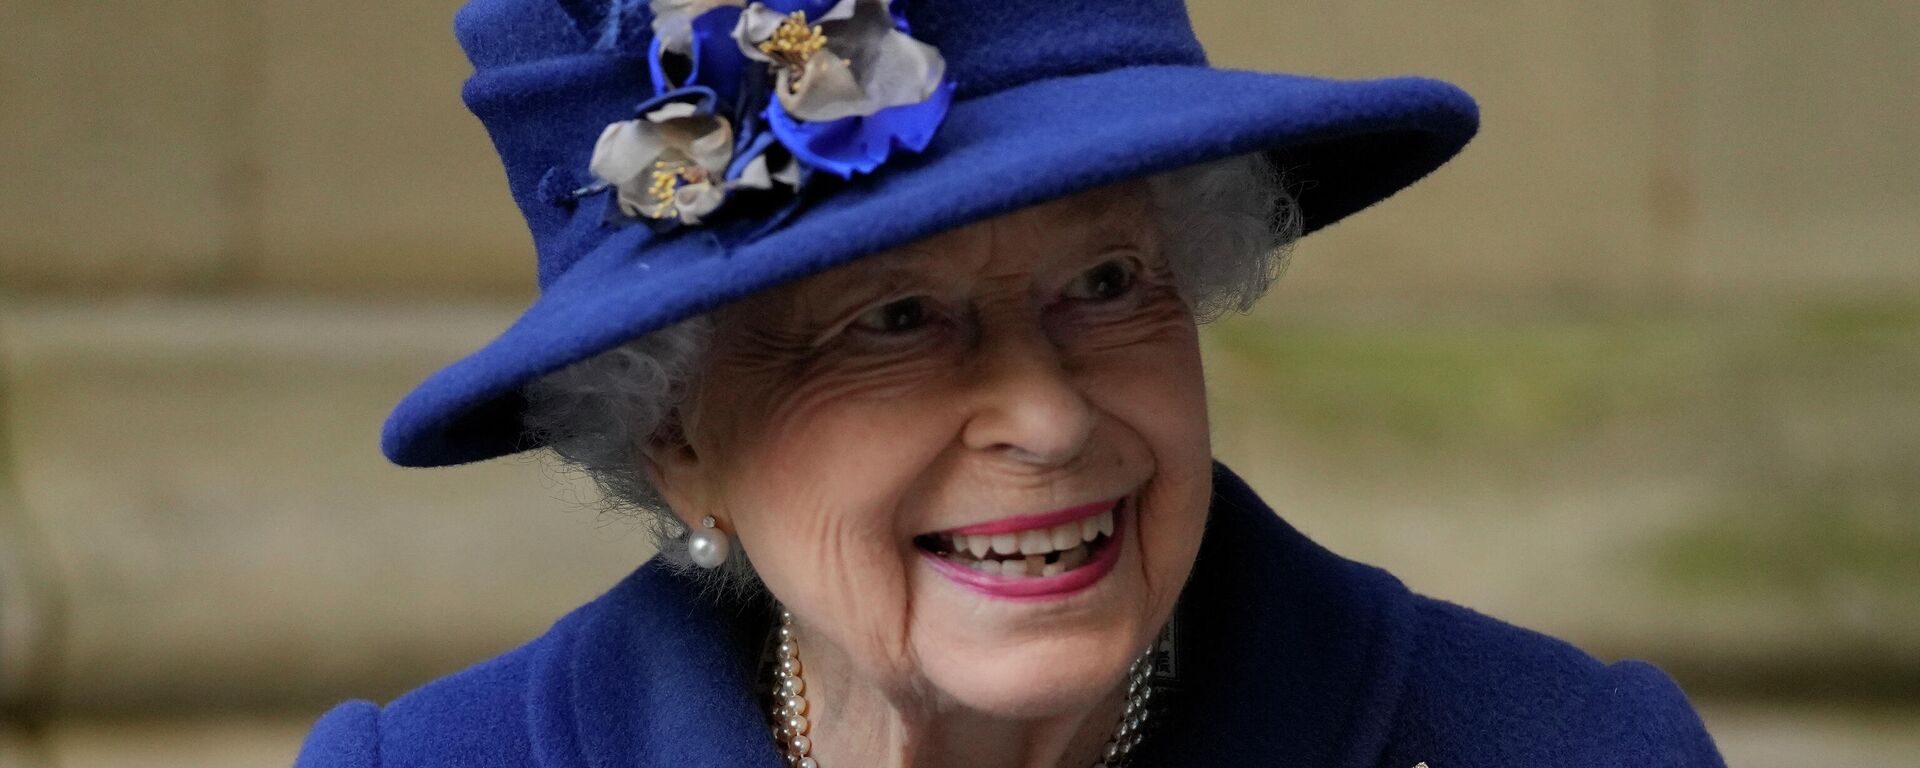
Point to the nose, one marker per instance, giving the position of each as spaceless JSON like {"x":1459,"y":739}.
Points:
{"x":1026,"y":406}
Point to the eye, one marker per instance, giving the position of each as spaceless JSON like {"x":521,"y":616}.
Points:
{"x":898,"y":316}
{"x":1110,"y":279}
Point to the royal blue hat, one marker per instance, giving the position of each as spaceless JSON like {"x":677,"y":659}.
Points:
{"x":673,"y":156}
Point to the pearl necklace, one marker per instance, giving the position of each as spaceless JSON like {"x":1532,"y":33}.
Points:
{"x":789,"y":703}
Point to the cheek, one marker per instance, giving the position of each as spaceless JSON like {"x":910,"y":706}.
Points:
{"x":1147,"y":376}
{"x":814,"y":487}
{"x":833,"y":452}
{"x":807,"y":427}
{"x":1164,"y":405}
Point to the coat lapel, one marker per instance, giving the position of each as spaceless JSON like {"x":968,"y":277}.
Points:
{"x":1289,"y":655}
{"x":654,"y":674}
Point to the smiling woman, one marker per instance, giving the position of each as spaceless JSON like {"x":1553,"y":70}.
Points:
{"x":885,"y":317}
{"x":988,"y":376}
{"x":977,"y":437}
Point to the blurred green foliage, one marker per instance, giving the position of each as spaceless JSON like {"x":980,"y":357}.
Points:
{"x":1804,"y":422}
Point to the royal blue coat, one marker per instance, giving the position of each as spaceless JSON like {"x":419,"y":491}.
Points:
{"x":1289,"y":656}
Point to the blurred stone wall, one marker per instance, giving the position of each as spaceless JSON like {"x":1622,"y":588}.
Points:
{"x":1632,"y":151}
{"x":233,"y":233}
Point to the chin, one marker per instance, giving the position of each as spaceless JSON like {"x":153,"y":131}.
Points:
{"x":1036,"y":658}
{"x":1060,"y":677}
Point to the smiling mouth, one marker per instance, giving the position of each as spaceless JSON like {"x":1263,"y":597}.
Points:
{"x":1036,"y":552}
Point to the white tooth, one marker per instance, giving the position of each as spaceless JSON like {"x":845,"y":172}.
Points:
{"x":1065,"y":536}
{"x":1006,"y":543}
{"x":1052,"y":569}
{"x":1089,"y":529}
{"x":1106,"y":522}
{"x":987,"y":566}
{"x":1035,"y":542}
{"x":979,"y":545}
{"x":1014,"y":567}
{"x":1074,"y":558}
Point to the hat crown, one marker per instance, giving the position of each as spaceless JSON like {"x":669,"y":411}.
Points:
{"x":988,"y":44}
{"x":550,"y":74}
{"x":1002,"y":43}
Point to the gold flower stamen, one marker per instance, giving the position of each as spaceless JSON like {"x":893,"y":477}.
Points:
{"x":794,"y":43}
{"x":667,"y":179}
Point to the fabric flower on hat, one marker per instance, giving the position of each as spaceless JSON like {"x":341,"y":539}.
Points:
{"x":673,"y":20}
{"x":693,"y":45}
{"x":678,"y":161}
{"x":759,"y":95}
{"x":850,"y":85}
{"x":671,"y":162}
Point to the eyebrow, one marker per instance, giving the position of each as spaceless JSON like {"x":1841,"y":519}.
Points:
{"x":1120,"y":220}
{"x":1107,"y":225}
{"x":841,"y":290}
{"x":895,"y":269}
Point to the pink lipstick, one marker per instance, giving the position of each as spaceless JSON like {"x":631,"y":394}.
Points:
{"x":1042,"y":520}
{"x":1031,"y":557}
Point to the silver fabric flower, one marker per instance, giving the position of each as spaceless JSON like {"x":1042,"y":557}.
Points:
{"x":850,"y":62}
{"x":760,"y":174}
{"x":673,"y":20}
{"x":671,"y":163}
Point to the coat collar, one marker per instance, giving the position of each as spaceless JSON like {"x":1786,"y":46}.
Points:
{"x":1287,"y":655}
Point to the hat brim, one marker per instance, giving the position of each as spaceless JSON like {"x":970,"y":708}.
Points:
{"x":1343,"y":145}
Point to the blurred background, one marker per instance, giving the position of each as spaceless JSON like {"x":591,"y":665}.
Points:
{"x":1640,"y":369}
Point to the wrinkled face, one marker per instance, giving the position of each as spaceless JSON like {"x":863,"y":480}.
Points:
{"x":978,"y":465}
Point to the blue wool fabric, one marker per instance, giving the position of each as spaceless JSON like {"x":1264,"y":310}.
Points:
{"x":1051,"y":97}
{"x":1288,"y":655}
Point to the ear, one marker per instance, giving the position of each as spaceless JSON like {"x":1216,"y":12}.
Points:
{"x":676,"y":470}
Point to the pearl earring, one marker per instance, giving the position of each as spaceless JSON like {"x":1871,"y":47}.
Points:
{"x":707,"y":546}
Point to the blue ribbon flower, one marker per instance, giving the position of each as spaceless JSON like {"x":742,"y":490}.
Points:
{"x":851,"y":85}
{"x":698,"y":50}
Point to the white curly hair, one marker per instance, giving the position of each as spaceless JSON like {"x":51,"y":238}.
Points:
{"x":1229,"y":228}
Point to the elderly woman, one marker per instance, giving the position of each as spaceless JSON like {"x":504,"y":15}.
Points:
{"x":884,"y":318}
